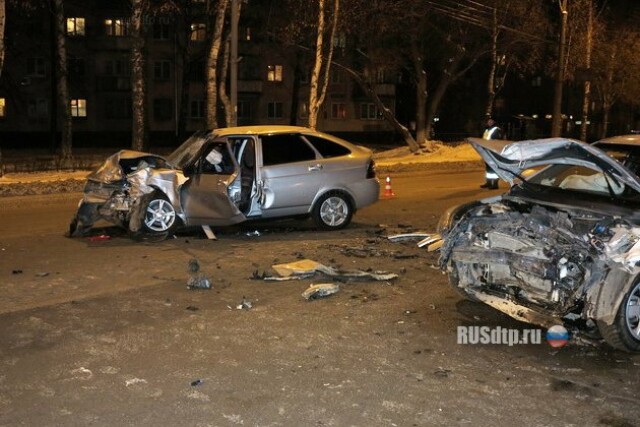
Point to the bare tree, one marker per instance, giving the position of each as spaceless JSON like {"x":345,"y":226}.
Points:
{"x":138,"y":96}
{"x":62,"y":74}
{"x":212,"y":65}
{"x":3,"y":12}
{"x":323,"y":57}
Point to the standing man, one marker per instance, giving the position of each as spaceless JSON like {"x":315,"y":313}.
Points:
{"x":491,"y":131}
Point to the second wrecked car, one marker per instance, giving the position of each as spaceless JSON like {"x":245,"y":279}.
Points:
{"x":231,"y":175}
{"x":563,"y":244}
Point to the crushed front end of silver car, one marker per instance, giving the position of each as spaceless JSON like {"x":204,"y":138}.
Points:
{"x":114,"y":191}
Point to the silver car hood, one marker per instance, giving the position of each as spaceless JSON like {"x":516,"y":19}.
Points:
{"x":508,"y":159}
{"x":111,"y":171}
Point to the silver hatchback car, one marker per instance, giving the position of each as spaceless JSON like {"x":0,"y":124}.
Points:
{"x":231,"y":175}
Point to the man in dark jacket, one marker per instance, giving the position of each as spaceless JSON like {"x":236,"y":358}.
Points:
{"x":491,"y":131}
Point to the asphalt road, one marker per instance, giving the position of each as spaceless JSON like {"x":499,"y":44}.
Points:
{"x":106,"y":333}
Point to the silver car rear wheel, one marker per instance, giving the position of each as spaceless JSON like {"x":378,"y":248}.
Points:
{"x":160,"y":215}
{"x":332,"y":211}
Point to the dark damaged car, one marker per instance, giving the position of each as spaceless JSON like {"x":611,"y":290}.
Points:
{"x":563,"y":244}
{"x":229,"y":176}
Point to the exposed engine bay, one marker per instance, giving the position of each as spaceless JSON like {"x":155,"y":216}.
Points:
{"x":535,"y":263}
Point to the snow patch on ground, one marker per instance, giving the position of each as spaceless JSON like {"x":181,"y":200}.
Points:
{"x":440,"y":154}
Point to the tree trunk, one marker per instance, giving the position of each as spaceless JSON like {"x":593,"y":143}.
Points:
{"x":314,"y":105}
{"x":421,"y":95}
{"x":491,"y":82}
{"x":229,"y":112}
{"x":224,"y":98}
{"x":2,"y":21}
{"x":556,"y":121}
{"x":62,"y":74}
{"x":138,"y":130}
{"x":586,"y":100}
{"x":389,"y":117}
{"x":448,"y":77}
{"x":212,"y":66}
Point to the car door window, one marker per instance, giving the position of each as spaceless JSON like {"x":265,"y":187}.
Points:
{"x":216,"y":159}
{"x":326,"y":148}
{"x":287,"y":148}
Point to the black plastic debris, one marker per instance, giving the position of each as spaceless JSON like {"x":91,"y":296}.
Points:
{"x":196,"y":383}
{"x":197,"y":280}
{"x":192,"y":308}
{"x":16,"y":271}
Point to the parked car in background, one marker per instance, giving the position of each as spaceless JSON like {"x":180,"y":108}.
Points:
{"x":563,"y":244}
{"x":228,"y":176}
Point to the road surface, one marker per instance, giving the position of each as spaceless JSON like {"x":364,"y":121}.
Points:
{"x":106,"y":333}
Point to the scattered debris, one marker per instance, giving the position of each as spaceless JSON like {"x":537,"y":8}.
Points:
{"x":443,"y":373}
{"x":197,"y":280}
{"x":42,"y":274}
{"x":407,"y":236}
{"x":245,"y":304}
{"x":134,"y":381}
{"x":434,"y":238}
{"x":308,"y":268}
{"x":197,"y":382}
{"x":208,"y":232}
{"x":320,"y":290}
{"x":192,"y":308}
{"x":16,"y":271}
{"x":254,"y":233}
{"x":82,"y":373}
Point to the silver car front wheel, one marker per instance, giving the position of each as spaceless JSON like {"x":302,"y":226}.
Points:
{"x":159,"y":215}
{"x":332,"y":211}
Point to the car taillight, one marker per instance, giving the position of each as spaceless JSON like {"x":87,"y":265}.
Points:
{"x":371,"y":170}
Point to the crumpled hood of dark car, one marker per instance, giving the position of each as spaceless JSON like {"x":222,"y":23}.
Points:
{"x":508,"y":159}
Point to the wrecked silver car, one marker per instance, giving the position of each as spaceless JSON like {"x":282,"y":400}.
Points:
{"x":563,"y":244}
{"x":228,"y":176}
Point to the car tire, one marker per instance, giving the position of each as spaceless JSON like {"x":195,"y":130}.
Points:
{"x":624,"y":333}
{"x":159,"y":215}
{"x":332,"y":211}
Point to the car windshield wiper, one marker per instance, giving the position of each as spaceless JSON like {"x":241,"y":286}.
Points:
{"x":517,"y":175}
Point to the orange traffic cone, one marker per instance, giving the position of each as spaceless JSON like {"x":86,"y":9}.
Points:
{"x":388,"y":192}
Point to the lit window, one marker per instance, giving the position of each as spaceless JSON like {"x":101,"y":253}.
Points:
{"x":2,"y":107}
{"x":275,"y":110}
{"x":75,"y":26}
{"x":274,"y":73}
{"x":79,"y":108}
{"x":115,"y":27}
{"x":197,"y":109}
{"x":198,"y":32}
{"x":338,"y":110}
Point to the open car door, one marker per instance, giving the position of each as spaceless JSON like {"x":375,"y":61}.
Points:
{"x":205,"y":197}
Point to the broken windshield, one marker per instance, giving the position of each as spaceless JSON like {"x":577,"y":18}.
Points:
{"x":185,"y":153}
